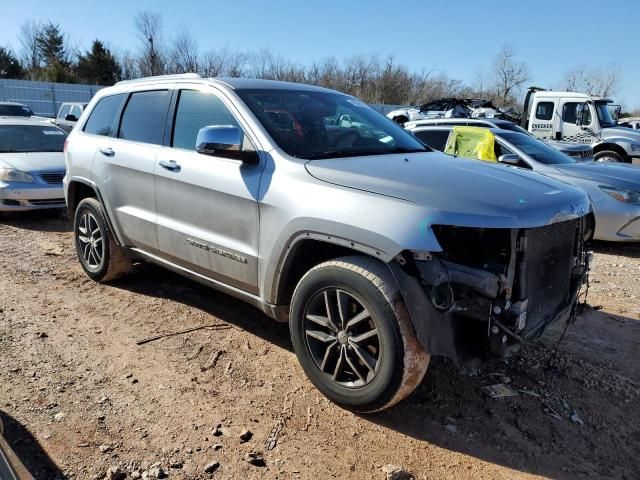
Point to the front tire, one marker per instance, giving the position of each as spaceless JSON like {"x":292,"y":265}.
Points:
{"x":100,"y":255}
{"x":353,"y":337}
{"x":608,"y":156}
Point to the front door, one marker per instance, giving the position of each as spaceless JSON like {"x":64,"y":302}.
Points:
{"x":207,"y":206}
{"x":570,"y":131}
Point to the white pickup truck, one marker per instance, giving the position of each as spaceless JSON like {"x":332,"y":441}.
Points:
{"x":580,"y":118}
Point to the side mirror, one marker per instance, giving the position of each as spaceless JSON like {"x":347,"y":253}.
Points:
{"x":510,"y":159}
{"x":224,"y":141}
{"x":71,"y":118}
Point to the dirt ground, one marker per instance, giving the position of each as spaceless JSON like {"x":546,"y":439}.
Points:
{"x":78,"y":395}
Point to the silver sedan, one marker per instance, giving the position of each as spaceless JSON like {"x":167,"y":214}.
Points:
{"x":31,"y":165}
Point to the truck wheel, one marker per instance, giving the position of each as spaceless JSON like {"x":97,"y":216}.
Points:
{"x":608,"y":156}
{"x":352,"y":334}
{"x":99,"y":254}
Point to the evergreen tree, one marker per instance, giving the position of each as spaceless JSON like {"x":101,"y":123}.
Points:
{"x":98,"y":66}
{"x":50,"y":44}
{"x":10,"y":66}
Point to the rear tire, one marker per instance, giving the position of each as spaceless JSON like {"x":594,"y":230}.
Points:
{"x":608,"y":156}
{"x":100,"y":255}
{"x":353,"y":336}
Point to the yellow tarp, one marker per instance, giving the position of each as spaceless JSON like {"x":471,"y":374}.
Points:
{"x":472,"y":142}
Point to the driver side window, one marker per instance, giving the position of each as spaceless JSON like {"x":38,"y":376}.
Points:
{"x":198,"y":109}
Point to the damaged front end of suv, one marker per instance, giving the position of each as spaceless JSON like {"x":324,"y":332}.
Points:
{"x":490,"y":289}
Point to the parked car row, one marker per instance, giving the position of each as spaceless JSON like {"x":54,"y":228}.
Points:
{"x":560,"y":119}
{"x":377,"y":249}
{"x":31,"y":164}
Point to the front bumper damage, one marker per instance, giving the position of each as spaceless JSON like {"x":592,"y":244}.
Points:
{"x":490,"y":299}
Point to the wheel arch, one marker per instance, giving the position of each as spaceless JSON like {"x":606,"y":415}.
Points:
{"x":614,"y":147}
{"x":305,"y":251}
{"x":80,"y":188}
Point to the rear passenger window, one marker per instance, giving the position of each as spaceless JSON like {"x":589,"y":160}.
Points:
{"x":196,"y":110}
{"x":103,"y":115}
{"x":544,"y":111}
{"x":436,"y":139}
{"x":144,"y":116}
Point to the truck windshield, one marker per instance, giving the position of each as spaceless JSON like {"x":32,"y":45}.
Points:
{"x":537,"y":150}
{"x":314,"y":124}
{"x":604,"y":115}
{"x":31,"y":138}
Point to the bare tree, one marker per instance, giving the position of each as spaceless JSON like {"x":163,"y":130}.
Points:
{"x":602,"y":81}
{"x":213,"y":63}
{"x":149,"y":27}
{"x":510,"y":74}
{"x":236,"y":63}
{"x":184,"y":56}
{"x":28,"y":38}
{"x":128,"y":65}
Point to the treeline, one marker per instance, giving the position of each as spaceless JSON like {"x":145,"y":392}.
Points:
{"x":45,"y":54}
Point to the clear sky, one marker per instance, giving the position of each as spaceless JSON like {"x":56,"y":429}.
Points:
{"x":459,"y":37}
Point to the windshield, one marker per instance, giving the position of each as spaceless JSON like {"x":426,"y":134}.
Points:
{"x":604,"y":115}
{"x":537,"y":150}
{"x":31,"y":138}
{"x":15,"y":111}
{"x":311,"y":124}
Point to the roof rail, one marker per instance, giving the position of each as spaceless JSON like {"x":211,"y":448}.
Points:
{"x":179,"y":76}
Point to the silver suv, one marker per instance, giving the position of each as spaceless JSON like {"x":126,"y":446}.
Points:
{"x":321,"y":212}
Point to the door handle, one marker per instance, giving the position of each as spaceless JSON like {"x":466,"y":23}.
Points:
{"x":171,"y":165}
{"x":108,"y":152}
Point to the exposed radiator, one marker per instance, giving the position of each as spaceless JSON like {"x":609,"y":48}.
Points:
{"x":549,"y":257}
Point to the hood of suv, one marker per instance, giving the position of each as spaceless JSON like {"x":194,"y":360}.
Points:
{"x":468,"y":192}
{"x":33,"y":161}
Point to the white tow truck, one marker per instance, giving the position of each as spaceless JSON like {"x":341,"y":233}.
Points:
{"x":580,"y":118}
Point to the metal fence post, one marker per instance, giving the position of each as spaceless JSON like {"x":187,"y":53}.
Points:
{"x":53,"y":99}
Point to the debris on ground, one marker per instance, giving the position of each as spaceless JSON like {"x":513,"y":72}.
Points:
{"x":115,"y":473}
{"x":245,"y":436}
{"x":255,"y":459}
{"x":394,"y":472}
{"x":499,"y":390}
{"x":575,"y":418}
{"x":211,"y":467}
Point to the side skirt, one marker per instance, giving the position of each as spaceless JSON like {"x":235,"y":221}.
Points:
{"x":279,"y":313}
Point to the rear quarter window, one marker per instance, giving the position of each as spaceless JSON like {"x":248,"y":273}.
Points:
{"x":144,"y":117}
{"x":102,"y":118}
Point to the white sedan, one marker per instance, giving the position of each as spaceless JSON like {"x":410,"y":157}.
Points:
{"x":31,"y":165}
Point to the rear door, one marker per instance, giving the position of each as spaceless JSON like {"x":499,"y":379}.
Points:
{"x":124,"y":167}
{"x":207,"y":206}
